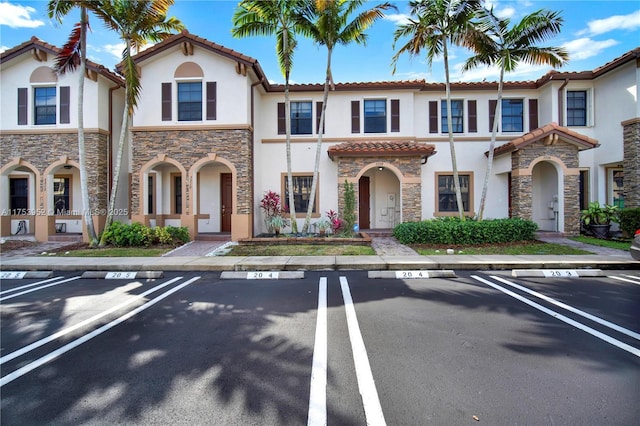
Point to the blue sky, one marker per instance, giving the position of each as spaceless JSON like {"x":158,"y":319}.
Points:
{"x":594,"y":32}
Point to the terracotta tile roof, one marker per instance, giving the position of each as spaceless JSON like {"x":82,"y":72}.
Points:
{"x":54,"y":50}
{"x":581,"y":141}
{"x":202,"y":42}
{"x":380,"y":149}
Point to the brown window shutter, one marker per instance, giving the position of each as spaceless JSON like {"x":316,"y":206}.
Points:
{"x":22,"y":105}
{"x":318,"y":114}
{"x":166,"y":101}
{"x":282,"y":123}
{"x":492,"y":113}
{"x":533,"y":114}
{"x":65,"y":99}
{"x":211,"y":99}
{"x":355,"y":116}
{"x":395,"y":115}
{"x":473,"y":116}
{"x":433,"y":116}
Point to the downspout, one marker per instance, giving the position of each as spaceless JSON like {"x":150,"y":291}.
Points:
{"x":561,"y":102}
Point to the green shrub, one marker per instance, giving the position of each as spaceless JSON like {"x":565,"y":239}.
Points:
{"x":138,"y":235}
{"x":629,"y":221}
{"x":452,"y":230}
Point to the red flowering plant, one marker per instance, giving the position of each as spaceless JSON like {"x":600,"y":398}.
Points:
{"x":273,"y":211}
{"x":336,"y":223}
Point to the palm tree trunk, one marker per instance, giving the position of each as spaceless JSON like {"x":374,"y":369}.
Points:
{"x":287,"y":112}
{"x":314,"y":185}
{"x":454,"y":162}
{"x":492,"y":144}
{"x":84,"y":185}
{"x":116,"y":173}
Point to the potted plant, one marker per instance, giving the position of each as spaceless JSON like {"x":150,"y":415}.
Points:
{"x":323,"y":226}
{"x":598,"y":218}
{"x":277,"y":223}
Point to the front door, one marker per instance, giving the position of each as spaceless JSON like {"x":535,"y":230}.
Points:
{"x":226,"y":202}
{"x":364,"y":203}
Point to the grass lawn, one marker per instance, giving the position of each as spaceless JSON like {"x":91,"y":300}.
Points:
{"x":300,"y":250}
{"x":521,"y":248}
{"x":615,"y":244}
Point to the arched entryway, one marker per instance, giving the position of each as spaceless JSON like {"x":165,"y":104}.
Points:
{"x":379,"y":197}
{"x":547,"y":197}
{"x":19,"y":204}
{"x":214,"y":194}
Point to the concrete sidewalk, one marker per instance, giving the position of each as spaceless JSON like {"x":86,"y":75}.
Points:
{"x":390,"y":256}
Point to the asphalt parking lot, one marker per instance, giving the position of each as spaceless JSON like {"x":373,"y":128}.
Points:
{"x":334,"y":347}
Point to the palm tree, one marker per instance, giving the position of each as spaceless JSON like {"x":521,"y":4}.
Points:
{"x":136,"y":22}
{"x":328,"y":24}
{"x":499,"y":45}
{"x":265,"y":18}
{"x":74,"y":54}
{"x":436,"y":24}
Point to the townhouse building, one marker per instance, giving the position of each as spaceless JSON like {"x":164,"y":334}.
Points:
{"x":207,"y":140}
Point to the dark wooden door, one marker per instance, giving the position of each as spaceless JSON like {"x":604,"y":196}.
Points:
{"x":226,"y":202}
{"x":364,"y":203}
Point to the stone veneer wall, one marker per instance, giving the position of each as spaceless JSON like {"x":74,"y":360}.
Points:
{"x":521,"y":184}
{"x":631,"y":136}
{"x":43,"y":149}
{"x":189,"y":146}
{"x":410,"y":167}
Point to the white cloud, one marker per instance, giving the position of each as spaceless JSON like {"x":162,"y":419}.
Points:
{"x":397,"y":18}
{"x":3,"y":48}
{"x":17,"y":16}
{"x":523,"y":72}
{"x":114,"y":49}
{"x":507,"y":12}
{"x":583,"y":48}
{"x":618,"y":22}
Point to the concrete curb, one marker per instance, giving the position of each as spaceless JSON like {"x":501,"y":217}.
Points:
{"x":560,"y":273}
{"x":123,"y":275}
{"x":417,"y":274}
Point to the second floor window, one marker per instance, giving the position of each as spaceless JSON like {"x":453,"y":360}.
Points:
{"x":375,"y":116}
{"x":44,"y":105}
{"x":457,"y":116}
{"x":301,"y":118}
{"x":577,"y":108}
{"x":512,"y":115}
{"x":190,"y":101}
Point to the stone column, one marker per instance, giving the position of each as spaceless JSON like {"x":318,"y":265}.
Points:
{"x":631,"y":135}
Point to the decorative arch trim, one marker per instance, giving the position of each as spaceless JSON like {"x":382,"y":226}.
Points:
{"x":556,"y":161}
{"x":43,"y":75}
{"x":188,"y":69}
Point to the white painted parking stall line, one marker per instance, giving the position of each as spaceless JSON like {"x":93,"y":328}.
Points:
{"x":318,"y":390}
{"x":556,"y":315}
{"x":2,"y":299}
{"x":366,"y":384}
{"x":45,"y":340}
{"x":22,"y":287}
{"x":627,"y":280}
{"x":571,"y":309}
{"x":66,"y":348}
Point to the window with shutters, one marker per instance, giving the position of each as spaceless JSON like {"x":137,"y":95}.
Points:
{"x":457,"y":116}
{"x":512,"y":115}
{"x":301,"y":118}
{"x":44,"y":105}
{"x":375,"y":116}
{"x":190,"y":101}
{"x":576,"y":108}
